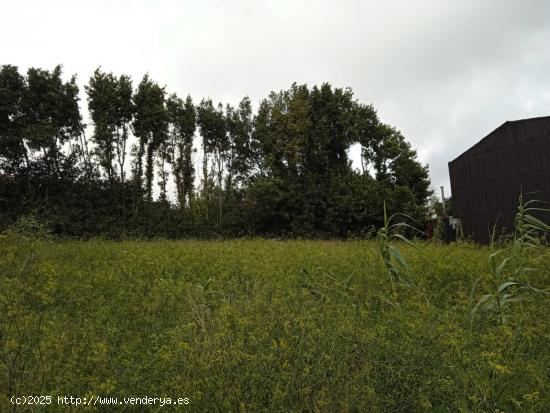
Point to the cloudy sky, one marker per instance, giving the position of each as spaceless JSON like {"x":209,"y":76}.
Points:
{"x":443,"y":72}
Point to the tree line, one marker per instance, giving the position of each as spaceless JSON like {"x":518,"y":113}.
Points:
{"x":282,"y":170}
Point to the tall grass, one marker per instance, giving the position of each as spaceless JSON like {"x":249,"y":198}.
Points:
{"x":275,"y":326}
{"x":395,"y":263}
{"x":509,"y":266}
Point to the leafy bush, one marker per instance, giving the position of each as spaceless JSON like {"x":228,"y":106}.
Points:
{"x":30,"y":226}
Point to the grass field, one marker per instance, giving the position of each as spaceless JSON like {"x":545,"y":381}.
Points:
{"x":265,"y":325}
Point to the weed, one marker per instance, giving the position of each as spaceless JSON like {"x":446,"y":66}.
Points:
{"x":396,"y":265}
{"x":509,"y":266}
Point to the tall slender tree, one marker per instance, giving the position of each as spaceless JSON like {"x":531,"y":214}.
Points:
{"x":239,"y":128}
{"x":102,"y":101}
{"x":111,"y":110}
{"x":214,"y":141}
{"x":52,"y":115}
{"x":124,"y":114}
{"x":183,"y":125}
{"x":150,"y":126}
{"x":188,"y":172}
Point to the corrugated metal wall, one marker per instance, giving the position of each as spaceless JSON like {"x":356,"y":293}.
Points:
{"x":487,"y":179}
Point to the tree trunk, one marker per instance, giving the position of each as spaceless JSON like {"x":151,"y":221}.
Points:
{"x":54,"y":153}
{"x":139,"y":172}
{"x":149,"y":171}
{"x":220,"y":178}
{"x":205,"y":182}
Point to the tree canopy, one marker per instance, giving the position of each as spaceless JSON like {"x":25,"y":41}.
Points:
{"x":283,"y":169}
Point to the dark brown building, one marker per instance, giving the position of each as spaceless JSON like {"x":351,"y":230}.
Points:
{"x":488,"y":178}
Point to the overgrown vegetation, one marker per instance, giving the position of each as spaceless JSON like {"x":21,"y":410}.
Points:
{"x":396,"y":265}
{"x":153,"y":164}
{"x":510,"y":264}
{"x":248,"y":325}
{"x":259,"y":325}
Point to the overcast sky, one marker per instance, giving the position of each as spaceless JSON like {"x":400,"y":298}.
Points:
{"x":443,"y":72}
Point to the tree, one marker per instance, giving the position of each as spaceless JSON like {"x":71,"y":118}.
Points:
{"x":283,"y":170}
{"x":214,"y":141}
{"x":111,"y":109}
{"x":331,"y":131}
{"x":102,"y":102}
{"x":240,"y":160}
{"x":281,"y":128}
{"x":14,"y":156}
{"x":188,"y":127}
{"x":396,"y":164}
{"x":150,"y":127}
{"x":52,"y":115}
{"x":183,"y":124}
{"x":124,"y":114}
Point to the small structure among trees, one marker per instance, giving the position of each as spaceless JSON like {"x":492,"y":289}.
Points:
{"x":487,"y":179}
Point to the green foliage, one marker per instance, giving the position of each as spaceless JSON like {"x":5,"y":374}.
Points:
{"x":12,"y":123}
{"x":283,"y":170}
{"x":259,"y":325}
{"x":30,"y":226}
{"x":396,"y":265}
{"x":509,"y":266}
{"x":242,"y":158}
{"x":111,"y":110}
{"x":150,"y":127}
{"x":183,"y":124}
{"x":215,"y":142}
{"x":529,"y":228}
